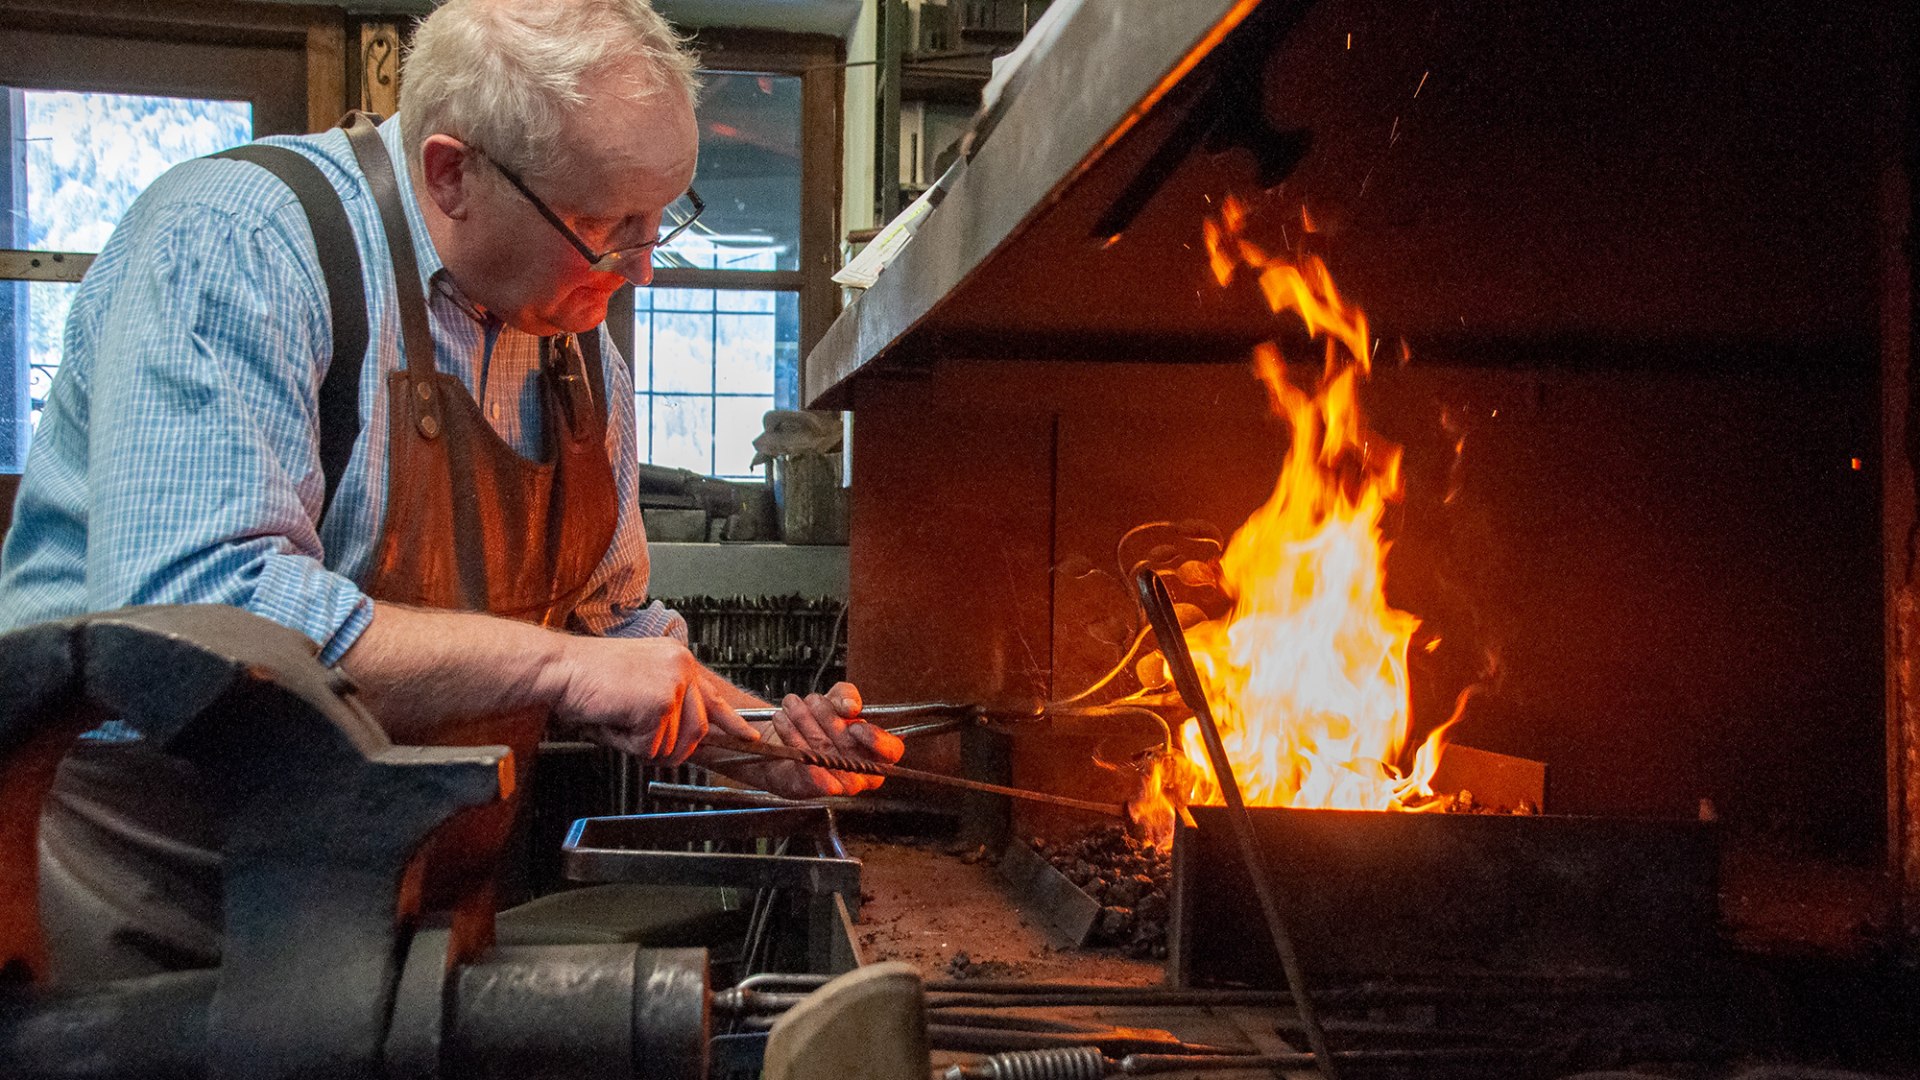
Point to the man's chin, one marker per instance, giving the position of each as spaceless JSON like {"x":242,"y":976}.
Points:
{"x":578,"y":313}
{"x":581,"y":312}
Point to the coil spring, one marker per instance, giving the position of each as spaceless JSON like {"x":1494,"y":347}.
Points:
{"x":1066,"y":1063}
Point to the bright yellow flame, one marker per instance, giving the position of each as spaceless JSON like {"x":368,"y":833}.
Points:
{"x":1307,"y":675}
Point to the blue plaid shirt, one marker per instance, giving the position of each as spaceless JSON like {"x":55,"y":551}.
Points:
{"x":177,"y":459}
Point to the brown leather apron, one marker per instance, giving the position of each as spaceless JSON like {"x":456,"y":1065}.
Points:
{"x":129,"y":874}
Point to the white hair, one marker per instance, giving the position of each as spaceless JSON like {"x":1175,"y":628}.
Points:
{"x":506,"y":74}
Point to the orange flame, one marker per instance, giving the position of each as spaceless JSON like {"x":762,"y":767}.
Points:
{"x":1307,"y":675}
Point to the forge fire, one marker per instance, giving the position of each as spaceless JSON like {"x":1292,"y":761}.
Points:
{"x":1306,"y":672}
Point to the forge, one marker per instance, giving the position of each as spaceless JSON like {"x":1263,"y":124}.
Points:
{"x":1637,"y":297}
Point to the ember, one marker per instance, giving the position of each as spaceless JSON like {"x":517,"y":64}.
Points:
{"x":1131,"y":879}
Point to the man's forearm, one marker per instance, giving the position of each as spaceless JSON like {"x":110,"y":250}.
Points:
{"x":417,"y":669}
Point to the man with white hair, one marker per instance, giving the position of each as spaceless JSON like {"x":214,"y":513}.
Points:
{"x":450,"y":511}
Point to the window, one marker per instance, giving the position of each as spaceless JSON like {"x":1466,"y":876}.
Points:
{"x":708,"y":364}
{"x":93,"y":110}
{"x":77,"y":161}
{"x":749,"y":175}
{"x":718,"y":340}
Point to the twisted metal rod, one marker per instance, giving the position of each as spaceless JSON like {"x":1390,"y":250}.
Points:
{"x":841,"y":763}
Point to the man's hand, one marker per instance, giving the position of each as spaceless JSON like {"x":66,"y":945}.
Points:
{"x":421,"y":671}
{"x":644,"y":696}
{"x":828,"y":723}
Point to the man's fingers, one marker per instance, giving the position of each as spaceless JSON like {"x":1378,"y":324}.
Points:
{"x":881,"y":744}
{"x":845,"y":698}
{"x":657,"y":742}
{"x":783,"y":727}
{"x":806,"y":723}
{"x":723,"y":717}
{"x":692,"y":728}
{"x":827,"y":715}
{"x":829,"y":783}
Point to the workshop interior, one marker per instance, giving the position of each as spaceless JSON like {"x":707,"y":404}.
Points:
{"x":1387,"y":531}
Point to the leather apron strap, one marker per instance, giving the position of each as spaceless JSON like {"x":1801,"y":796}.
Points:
{"x":377,"y":168}
{"x":472,"y":525}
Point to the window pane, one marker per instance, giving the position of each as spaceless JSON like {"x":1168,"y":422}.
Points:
{"x":744,"y":300}
{"x":749,"y":176}
{"x":88,"y":155}
{"x":682,"y":351}
{"x":737,"y":358}
{"x":681,"y":299}
{"x":47,"y":304}
{"x":642,"y":346}
{"x":743,"y":354}
{"x":736,"y":423}
{"x":683,"y":431}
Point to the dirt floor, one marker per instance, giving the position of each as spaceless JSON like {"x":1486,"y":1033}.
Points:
{"x":946,"y":911}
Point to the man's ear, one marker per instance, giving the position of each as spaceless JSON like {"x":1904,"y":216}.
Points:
{"x":446,"y":165}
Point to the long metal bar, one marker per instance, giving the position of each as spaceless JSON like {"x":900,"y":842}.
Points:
{"x":939,"y":717}
{"x":1013,"y":993}
{"x":839,"y":763}
{"x":945,"y":996}
{"x":1158,"y":605}
{"x":881,"y":714}
{"x":1081,"y":1062}
{"x":1456,"y":1056}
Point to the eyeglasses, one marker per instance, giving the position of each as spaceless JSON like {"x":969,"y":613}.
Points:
{"x":632,"y":263}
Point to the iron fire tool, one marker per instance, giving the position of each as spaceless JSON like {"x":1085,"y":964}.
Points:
{"x":1158,"y":605}
{"x":1127,"y":723}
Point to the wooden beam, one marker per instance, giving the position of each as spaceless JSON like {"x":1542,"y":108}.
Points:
{"x":822,"y":89}
{"x":377,"y":67}
{"x":326,"y":71}
{"x":16,"y":265}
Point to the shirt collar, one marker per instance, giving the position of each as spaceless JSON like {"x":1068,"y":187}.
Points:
{"x":434,"y":274}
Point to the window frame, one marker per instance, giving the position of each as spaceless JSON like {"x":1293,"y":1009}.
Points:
{"x":818,"y":60}
{"x":287,"y":60}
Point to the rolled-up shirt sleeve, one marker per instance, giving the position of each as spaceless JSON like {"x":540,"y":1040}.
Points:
{"x":206,"y":350}
{"x":616,"y":603}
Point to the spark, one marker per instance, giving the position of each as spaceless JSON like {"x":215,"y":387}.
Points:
{"x":1393,"y":136}
{"x":1423,"y":82}
{"x":1349,"y":41}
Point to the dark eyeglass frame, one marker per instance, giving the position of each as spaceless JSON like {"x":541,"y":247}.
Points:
{"x":623,"y":261}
